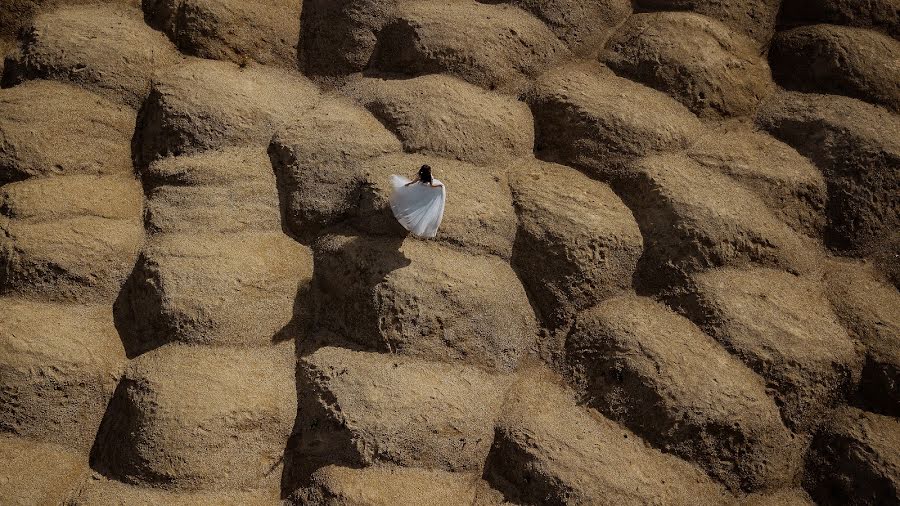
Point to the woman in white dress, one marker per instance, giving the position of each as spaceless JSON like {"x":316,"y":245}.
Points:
{"x":419,"y":204}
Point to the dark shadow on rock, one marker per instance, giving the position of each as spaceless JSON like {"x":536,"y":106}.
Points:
{"x":132,"y":312}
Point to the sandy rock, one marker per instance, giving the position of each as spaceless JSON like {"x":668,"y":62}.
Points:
{"x":877,"y":14}
{"x":233,"y":30}
{"x":857,"y":147}
{"x":17,"y":14}
{"x":231,"y":290}
{"x":311,"y":160}
{"x":870,"y":310}
{"x":417,"y":298}
{"x":72,"y":238}
{"x":586,"y":116}
{"x":855,"y":459}
{"x":360,"y":408}
{"x":196,"y":417}
{"x":712,"y":70}
{"x":59,"y":364}
{"x":98,"y":490}
{"x":548,"y":450}
{"x":43,"y":127}
{"x":784,"y":497}
{"x":480,"y":220}
{"x":694,"y":218}
{"x":205,"y":104}
{"x":103,"y":48}
{"x":790,"y":185}
{"x":448,"y":117}
{"x":490,"y":45}
{"x":577,"y":243}
{"x":38,"y":473}
{"x":840,"y":60}
{"x":753,"y":18}
{"x":784,"y":329}
{"x":580,"y":24}
{"x":658,"y":374}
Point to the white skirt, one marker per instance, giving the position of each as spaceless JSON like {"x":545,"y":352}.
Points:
{"x":418,"y":207}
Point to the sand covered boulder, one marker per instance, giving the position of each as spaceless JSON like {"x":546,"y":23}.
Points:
{"x":840,"y":60}
{"x":855,"y":459}
{"x":880,"y":15}
{"x":360,"y":408}
{"x":312,"y":159}
{"x":577,"y":243}
{"x":233,"y":290}
{"x":198,"y":417}
{"x":857,"y":147}
{"x":103,"y":48}
{"x":753,"y":18}
{"x":60,"y":364}
{"x":782,"y":327}
{"x":587,"y":116}
{"x":38,"y":473}
{"x":549,"y":450}
{"x":693,"y":218}
{"x":481,"y":221}
{"x":448,"y":117}
{"x":72,"y":238}
{"x":795,"y":496}
{"x":790,"y":185}
{"x":422,"y":299}
{"x":205,"y":104}
{"x":262,"y":31}
{"x":870,"y":310}
{"x":99,"y":490}
{"x":490,"y":45}
{"x":712,"y":70}
{"x":658,"y":374}
{"x":44,"y":125}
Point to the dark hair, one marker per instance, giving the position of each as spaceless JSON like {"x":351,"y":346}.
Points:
{"x":425,"y":173}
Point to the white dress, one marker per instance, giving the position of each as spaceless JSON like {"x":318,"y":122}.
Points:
{"x":418,"y":207}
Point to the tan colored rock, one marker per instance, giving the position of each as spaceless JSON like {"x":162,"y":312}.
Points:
{"x":840,"y":60}
{"x":198,"y":417}
{"x":580,"y":24}
{"x":548,"y":450}
{"x":490,"y":45}
{"x":448,"y":117}
{"x":233,"y":30}
{"x":360,"y":408}
{"x":228,"y":290}
{"x":855,"y":459}
{"x":101,"y":491}
{"x":753,"y":18}
{"x":417,"y":298}
{"x":712,"y":70}
{"x":876,"y":14}
{"x":17,"y":14}
{"x":43,"y":127}
{"x":658,"y":374}
{"x":577,"y":243}
{"x":784,"y":497}
{"x":857,"y":147}
{"x":103,"y":48}
{"x":60,"y":364}
{"x":38,"y":473}
{"x":783,"y":328}
{"x":790,"y":185}
{"x":870,"y":310}
{"x":586,"y":116}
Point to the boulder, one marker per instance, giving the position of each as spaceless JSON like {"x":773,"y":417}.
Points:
{"x":418,"y":298}
{"x":880,"y":15}
{"x":582,"y":25}
{"x":839,"y":60}
{"x":712,"y":70}
{"x":490,"y":45}
{"x":60,"y":364}
{"x":448,"y":117}
{"x":855,"y":459}
{"x":857,"y":147}
{"x":199,"y":417}
{"x":360,"y":408}
{"x":782,"y":327}
{"x":103,"y":48}
{"x":587,"y":116}
{"x":548,"y":450}
{"x":99,"y":490}
{"x":788,"y":183}
{"x":655,"y":372}
{"x":38,"y":473}
{"x":17,"y":14}
{"x":753,"y":18}
{"x":43,"y":127}
{"x":576,"y":244}
{"x":232,"y":30}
